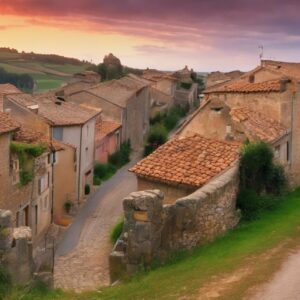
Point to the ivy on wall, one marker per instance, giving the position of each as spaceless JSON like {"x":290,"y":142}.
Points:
{"x":26,"y":154}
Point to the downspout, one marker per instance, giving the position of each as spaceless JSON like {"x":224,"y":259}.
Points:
{"x":52,"y":188}
{"x":79,"y":167}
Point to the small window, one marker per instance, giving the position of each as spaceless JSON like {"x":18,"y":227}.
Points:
{"x":58,"y":133}
{"x":43,"y":183}
{"x":251,"y":78}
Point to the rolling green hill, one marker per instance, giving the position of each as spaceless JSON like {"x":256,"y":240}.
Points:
{"x":48,"y":71}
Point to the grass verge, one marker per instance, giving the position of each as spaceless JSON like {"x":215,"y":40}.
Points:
{"x":187,"y":272}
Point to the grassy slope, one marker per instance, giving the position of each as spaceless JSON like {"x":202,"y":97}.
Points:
{"x":189,"y":271}
{"x":47,"y":76}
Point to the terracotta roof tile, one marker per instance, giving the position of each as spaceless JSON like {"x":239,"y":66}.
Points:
{"x":104,"y":128}
{"x":246,"y":87}
{"x":190,"y":161}
{"x":56,"y":112}
{"x":7,"y":124}
{"x":258,"y":125}
{"x":7,"y":88}
{"x":29,"y":136}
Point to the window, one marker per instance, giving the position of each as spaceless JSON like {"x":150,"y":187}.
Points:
{"x":15,"y":171}
{"x":58,"y":133}
{"x":287,"y":151}
{"x":43,"y":183}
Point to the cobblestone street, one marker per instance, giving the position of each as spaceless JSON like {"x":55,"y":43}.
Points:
{"x":81,"y":261}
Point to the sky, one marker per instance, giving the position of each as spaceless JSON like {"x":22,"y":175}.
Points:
{"x":207,"y":35}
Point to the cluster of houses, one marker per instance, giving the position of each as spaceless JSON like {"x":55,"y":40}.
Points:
{"x":50,"y":142}
{"x":260,"y":105}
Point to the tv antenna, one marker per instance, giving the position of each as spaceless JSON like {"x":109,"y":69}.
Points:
{"x":261,"y":54}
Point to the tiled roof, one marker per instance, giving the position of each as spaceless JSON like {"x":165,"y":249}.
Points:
{"x":7,"y":124}
{"x":104,"y":128}
{"x":246,"y":87}
{"x":190,"y":161}
{"x":56,"y":112}
{"x":258,"y":125}
{"x":117,"y":91}
{"x":8,"y":88}
{"x":29,"y":136}
{"x":288,"y":69}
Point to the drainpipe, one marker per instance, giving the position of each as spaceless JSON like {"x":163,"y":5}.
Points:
{"x":292,"y":129}
{"x":79,"y":166}
{"x":52,"y":188}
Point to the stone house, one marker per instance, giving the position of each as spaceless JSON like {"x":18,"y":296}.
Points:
{"x":185,"y":96}
{"x":5,"y":89}
{"x":214,"y":119}
{"x":62,"y":121}
{"x":272,"y":89}
{"x":107,"y":140}
{"x":29,"y":201}
{"x":183,"y":165}
{"x":125,"y":101}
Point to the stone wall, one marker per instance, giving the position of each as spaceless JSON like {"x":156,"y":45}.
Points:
{"x":15,"y":249}
{"x":152,"y":231}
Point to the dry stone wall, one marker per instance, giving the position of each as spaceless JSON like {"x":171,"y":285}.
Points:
{"x":152,"y":231}
{"x":15,"y":249}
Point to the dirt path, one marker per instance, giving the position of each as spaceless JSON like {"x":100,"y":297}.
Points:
{"x":285,"y":285}
{"x":81,"y":261}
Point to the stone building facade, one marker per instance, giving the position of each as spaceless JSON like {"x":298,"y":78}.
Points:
{"x":152,"y":230}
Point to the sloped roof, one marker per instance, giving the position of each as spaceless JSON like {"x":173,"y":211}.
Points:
{"x":56,"y":112}
{"x":241,"y":86}
{"x":257,"y":124}
{"x":7,"y":88}
{"x":289,"y":69}
{"x":104,"y":128}
{"x":29,"y":136}
{"x":7,"y":124}
{"x":190,"y":161}
{"x":117,"y":91}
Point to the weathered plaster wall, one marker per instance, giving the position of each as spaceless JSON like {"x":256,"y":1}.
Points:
{"x":152,"y":231}
{"x":64,"y":185}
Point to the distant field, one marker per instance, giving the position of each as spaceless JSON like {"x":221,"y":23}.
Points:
{"x":46,"y":75}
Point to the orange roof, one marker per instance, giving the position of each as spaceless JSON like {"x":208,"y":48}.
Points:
{"x":29,"y":136}
{"x":190,"y":161}
{"x":7,"y":124}
{"x":104,"y":128}
{"x":258,"y":125}
{"x":246,"y":87}
{"x":7,"y":88}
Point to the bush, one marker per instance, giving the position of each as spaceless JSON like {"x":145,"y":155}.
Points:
{"x":104,"y":171}
{"x":158,"y":118}
{"x":5,"y":281}
{"x":96,"y":181}
{"x":67,"y":206}
{"x":25,"y":177}
{"x":117,"y":231}
{"x":252,"y":205}
{"x":261,"y":181}
{"x":87,"y":189}
{"x":186,"y":85}
{"x":157,"y":136}
{"x":122,"y":156}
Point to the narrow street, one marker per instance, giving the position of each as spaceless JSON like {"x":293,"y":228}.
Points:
{"x":81,"y":260}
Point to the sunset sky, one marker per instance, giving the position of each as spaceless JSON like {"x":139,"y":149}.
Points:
{"x":165,"y":34}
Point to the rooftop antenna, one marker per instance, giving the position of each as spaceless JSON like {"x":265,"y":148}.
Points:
{"x":261,"y":54}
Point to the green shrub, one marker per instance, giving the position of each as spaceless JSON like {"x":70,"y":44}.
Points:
{"x":117,"y":230}
{"x":185,"y":85}
{"x":252,"y":205}
{"x":67,"y":206}
{"x":260,"y":180}
{"x":87,"y":189}
{"x":157,"y":136}
{"x":5,"y":281}
{"x":25,"y":177}
{"x":122,"y":156}
{"x":158,"y":118}
{"x":104,"y":171}
{"x":96,"y":181}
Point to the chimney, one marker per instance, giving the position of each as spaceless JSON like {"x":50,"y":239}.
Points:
{"x":228,"y":129}
{"x":34,"y":108}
